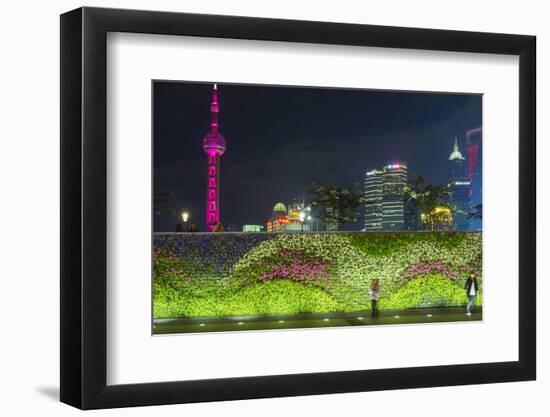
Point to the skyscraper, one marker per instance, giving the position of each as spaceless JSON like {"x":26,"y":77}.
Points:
{"x":460,"y":189}
{"x":373,"y":196}
{"x":457,"y":163}
{"x":474,"y":151}
{"x":214,"y":146}
{"x":393,"y":206}
{"x":460,"y":198}
{"x":384,"y":206}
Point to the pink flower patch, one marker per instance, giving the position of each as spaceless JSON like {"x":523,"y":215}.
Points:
{"x":293,"y":268}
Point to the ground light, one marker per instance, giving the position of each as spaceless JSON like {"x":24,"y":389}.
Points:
{"x":281,"y":321}
{"x":428,"y":315}
{"x":240,"y":323}
{"x":359,"y":318}
{"x":326,"y":319}
{"x":202,"y":324}
{"x":395,"y":317}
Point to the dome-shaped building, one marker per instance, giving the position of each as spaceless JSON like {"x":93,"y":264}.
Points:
{"x":278,"y":219}
{"x":279,"y":208}
{"x":288,"y":219}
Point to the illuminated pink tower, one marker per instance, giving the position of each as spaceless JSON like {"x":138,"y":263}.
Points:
{"x":214,"y":147}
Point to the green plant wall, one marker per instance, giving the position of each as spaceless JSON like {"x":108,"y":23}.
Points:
{"x":239,"y":274}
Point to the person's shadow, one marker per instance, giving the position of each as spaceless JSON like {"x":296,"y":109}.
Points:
{"x":50,"y":392}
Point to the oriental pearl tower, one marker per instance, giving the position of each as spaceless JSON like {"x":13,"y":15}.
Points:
{"x":214,"y":146}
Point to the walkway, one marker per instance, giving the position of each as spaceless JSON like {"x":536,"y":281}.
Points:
{"x":299,"y":321}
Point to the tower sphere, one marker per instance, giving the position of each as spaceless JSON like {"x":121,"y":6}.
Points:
{"x":213,"y":142}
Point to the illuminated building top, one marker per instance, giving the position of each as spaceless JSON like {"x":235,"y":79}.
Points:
{"x":456,"y":153}
{"x":279,"y":207}
{"x":392,"y":167}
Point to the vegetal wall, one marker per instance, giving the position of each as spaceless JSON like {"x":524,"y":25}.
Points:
{"x":229,"y":274}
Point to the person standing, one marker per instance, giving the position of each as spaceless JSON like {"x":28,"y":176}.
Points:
{"x":374,"y":292}
{"x":471,"y":288}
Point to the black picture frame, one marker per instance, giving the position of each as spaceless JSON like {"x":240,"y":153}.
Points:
{"x":84,"y":207}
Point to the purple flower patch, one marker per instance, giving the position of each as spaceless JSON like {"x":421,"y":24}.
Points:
{"x":425,"y":268}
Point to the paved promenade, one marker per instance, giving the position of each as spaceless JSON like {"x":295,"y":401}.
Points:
{"x":300,"y":321}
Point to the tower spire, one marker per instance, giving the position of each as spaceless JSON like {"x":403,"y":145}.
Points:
{"x":456,"y":154}
{"x":214,"y":109}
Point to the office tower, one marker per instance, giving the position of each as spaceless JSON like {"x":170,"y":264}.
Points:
{"x":393,"y":207}
{"x":474,"y":150}
{"x":384,"y":206}
{"x":460,"y":188}
{"x":373,"y":196}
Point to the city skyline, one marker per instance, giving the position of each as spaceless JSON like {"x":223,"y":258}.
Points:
{"x":282,"y":140}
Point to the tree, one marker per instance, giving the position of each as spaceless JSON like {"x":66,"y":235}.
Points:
{"x":340,"y":205}
{"x":161,"y":202}
{"x":426,"y":197}
{"x":477,"y":212}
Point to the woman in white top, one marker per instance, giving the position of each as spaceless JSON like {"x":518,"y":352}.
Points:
{"x":374,"y":291}
{"x":471,"y":291}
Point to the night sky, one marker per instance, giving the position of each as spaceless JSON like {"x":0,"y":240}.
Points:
{"x":281,"y":140}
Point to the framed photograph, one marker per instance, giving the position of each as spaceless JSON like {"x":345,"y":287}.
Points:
{"x":257,"y":208}
{"x":248,"y":235}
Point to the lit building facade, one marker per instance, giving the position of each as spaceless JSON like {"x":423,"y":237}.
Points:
{"x":460,"y":187}
{"x":278,"y":220}
{"x":248,"y":228}
{"x":460,"y":198}
{"x":474,"y":151}
{"x":393,"y":207}
{"x":384,"y":195}
{"x":214,"y":146}
{"x":373,"y":195}
{"x":440,"y":218}
{"x":412,"y":216}
{"x":295,"y":219}
{"x":298,"y":218}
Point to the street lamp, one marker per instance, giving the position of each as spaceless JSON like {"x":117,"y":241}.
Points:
{"x":302,"y":218}
{"x":185,"y":217}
